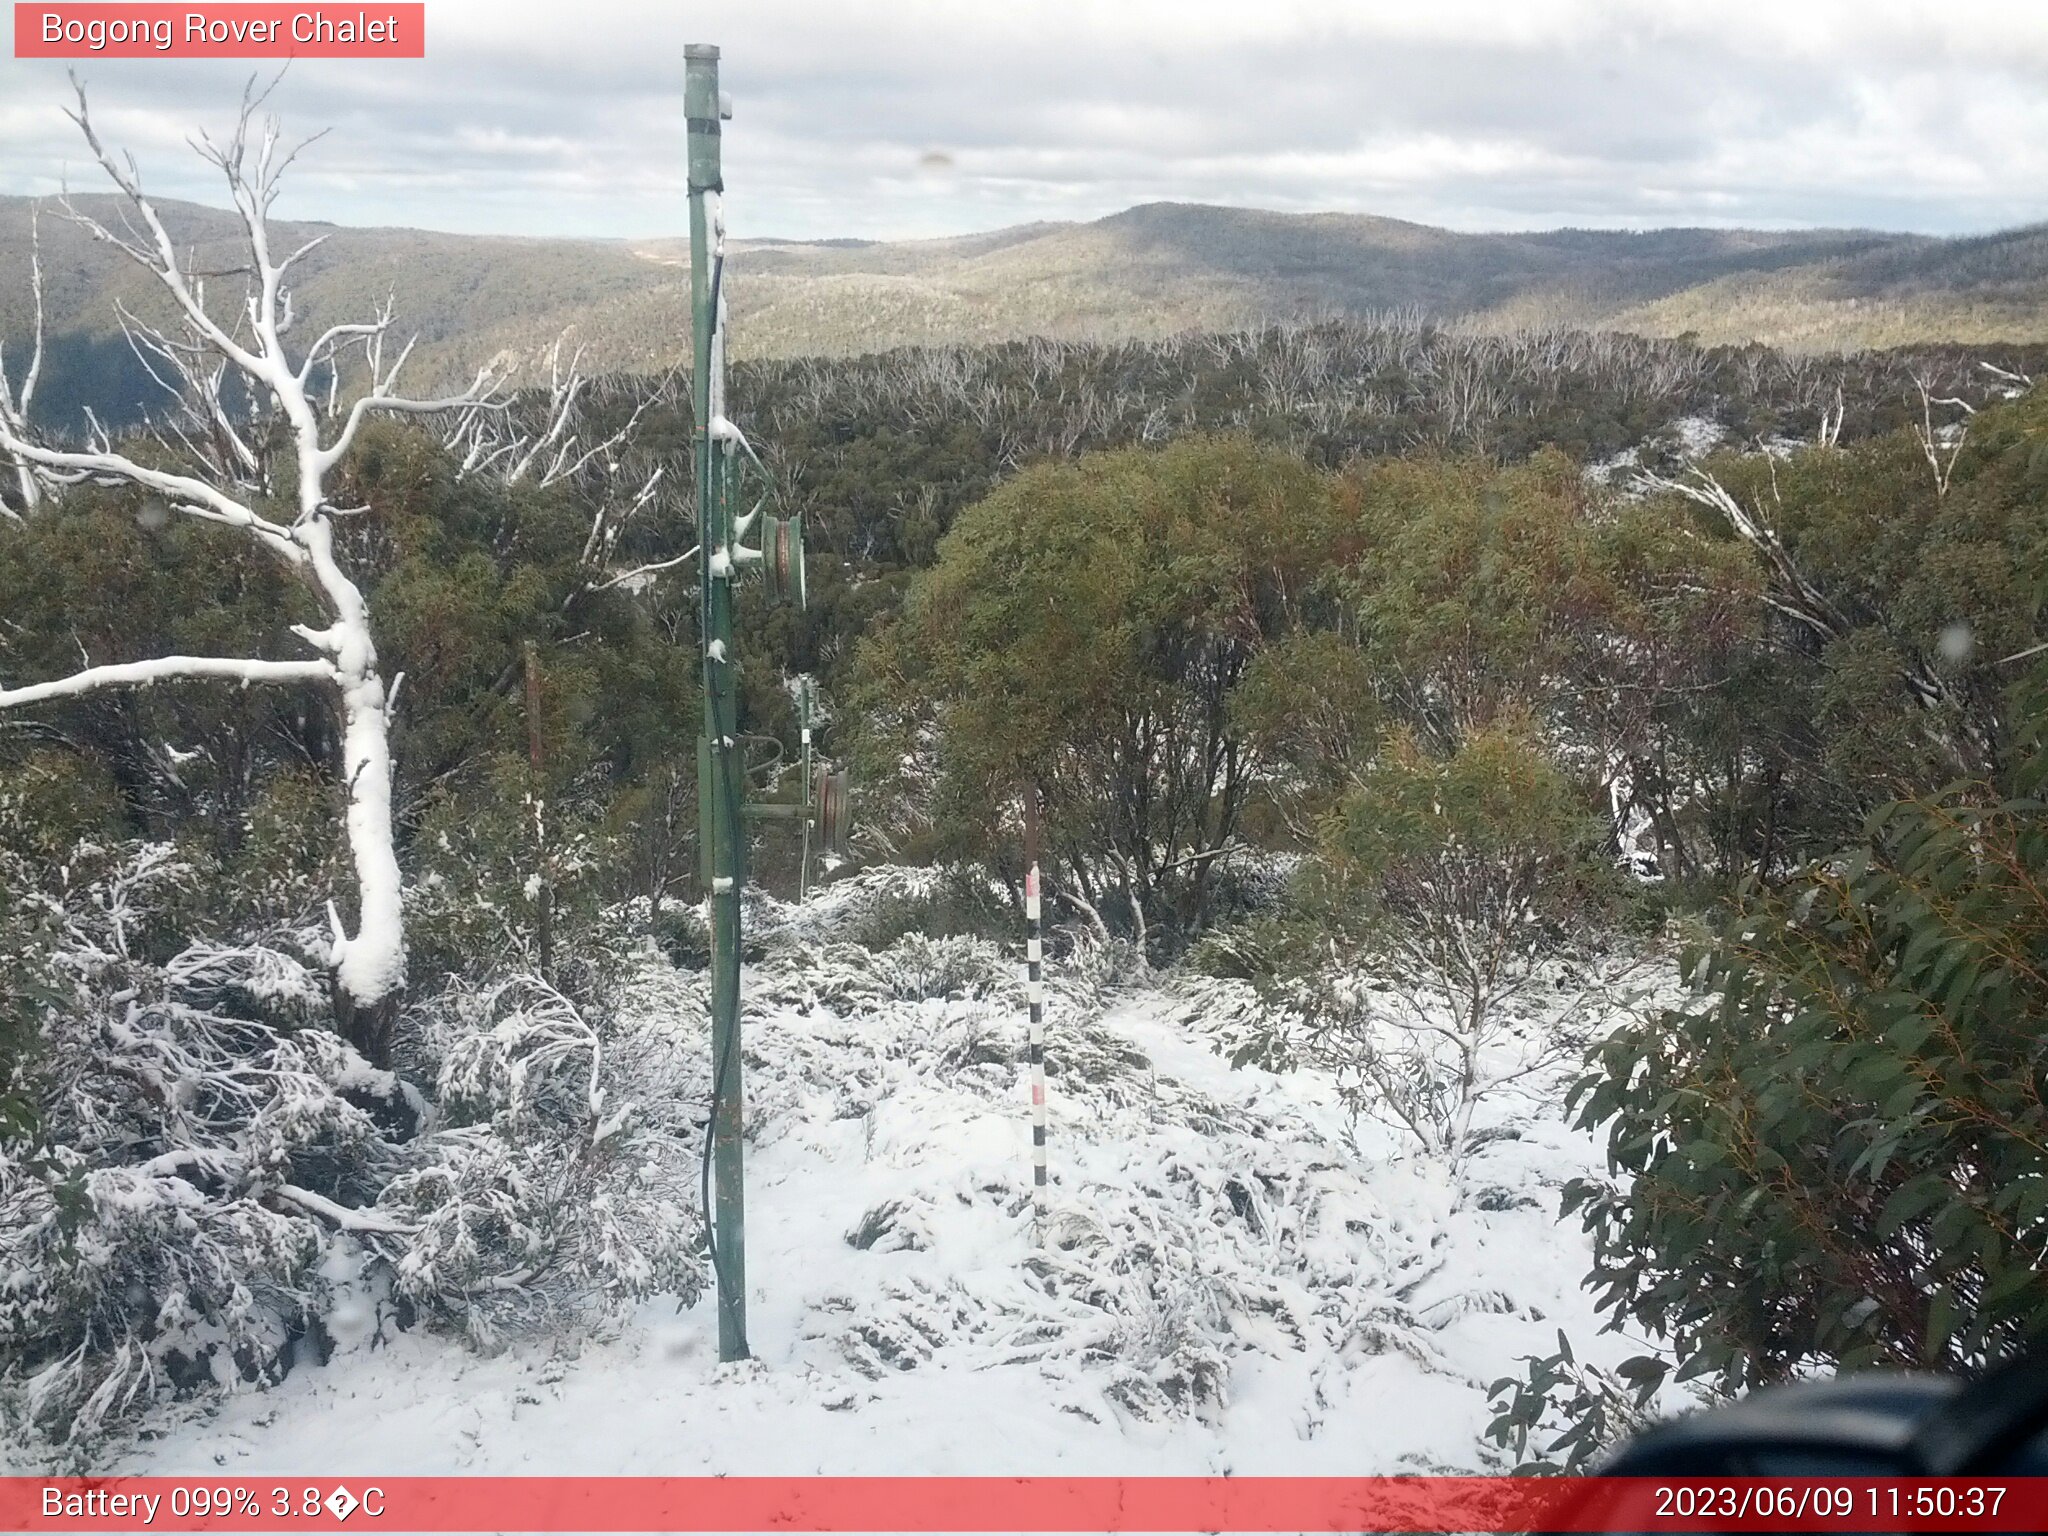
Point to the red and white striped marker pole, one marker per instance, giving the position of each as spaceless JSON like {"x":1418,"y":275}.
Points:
{"x":1034,"y":989}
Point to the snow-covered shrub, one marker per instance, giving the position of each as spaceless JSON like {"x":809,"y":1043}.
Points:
{"x":162,"y":1230}
{"x":255,"y":980}
{"x":289,"y":853}
{"x":1445,"y":944}
{"x":1118,"y":1293}
{"x":557,"y":1189}
{"x":876,"y":906}
{"x":1163,"y":1315}
{"x":850,"y":980}
{"x":952,"y":902}
{"x":125,"y":1285}
{"x":1097,"y":966}
{"x":915,"y":968}
{"x":202,"y":1164}
{"x":1185,"y":1232}
{"x":158,"y":1124}
{"x":1254,"y":950}
{"x":1240,"y":1001}
{"x":493,"y":870}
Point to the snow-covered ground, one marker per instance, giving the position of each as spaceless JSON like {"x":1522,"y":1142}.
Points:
{"x":1236,"y":1277}
{"x":1682,"y":441}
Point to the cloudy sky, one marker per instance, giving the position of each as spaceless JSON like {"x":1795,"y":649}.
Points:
{"x":925,"y":117}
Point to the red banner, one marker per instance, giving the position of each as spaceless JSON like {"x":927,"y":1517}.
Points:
{"x":977,"y":1504}
{"x":375,"y":30}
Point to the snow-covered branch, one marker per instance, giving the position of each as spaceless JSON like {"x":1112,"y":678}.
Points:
{"x":252,"y":170}
{"x":183,"y":493}
{"x":151,"y":248}
{"x":141,"y":674}
{"x":14,"y":404}
{"x":346,"y":1218}
{"x":642,"y":573}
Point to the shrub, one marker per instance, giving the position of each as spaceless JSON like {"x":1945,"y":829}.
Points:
{"x":1838,"y":1156}
{"x":1451,"y":899}
{"x":195,"y":1167}
{"x":164,"y":1221}
{"x":1579,"y":1407}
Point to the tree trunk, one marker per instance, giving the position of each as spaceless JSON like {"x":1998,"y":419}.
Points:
{"x":369,"y":965}
{"x":368,"y":1027}
{"x":369,"y":971}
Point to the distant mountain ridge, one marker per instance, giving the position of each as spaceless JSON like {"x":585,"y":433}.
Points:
{"x":1152,"y":270}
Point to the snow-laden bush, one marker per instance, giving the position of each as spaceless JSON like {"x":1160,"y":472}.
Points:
{"x":915,"y":968}
{"x":558,"y":1188}
{"x":876,"y":906}
{"x":204,"y":1165}
{"x":1099,"y":965}
{"x":125,"y":1285}
{"x":162,"y":1228}
{"x":1162,"y":1318}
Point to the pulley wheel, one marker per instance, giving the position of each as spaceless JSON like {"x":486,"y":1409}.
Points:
{"x":782,"y":557}
{"x":831,"y":796}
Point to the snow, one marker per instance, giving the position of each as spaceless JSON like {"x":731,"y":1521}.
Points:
{"x":144,"y":674}
{"x":1697,"y":435}
{"x":1684,"y":440}
{"x":369,"y":964}
{"x":1239,"y":1277}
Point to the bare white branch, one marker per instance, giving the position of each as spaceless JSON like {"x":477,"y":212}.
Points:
{"x":14,"y":405}
{"x":194,"y":497}
{"x":141,"y":674}
{"x":1940,"y":446}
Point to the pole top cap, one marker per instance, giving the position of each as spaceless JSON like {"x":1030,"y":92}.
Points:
{"x":700,"y":50}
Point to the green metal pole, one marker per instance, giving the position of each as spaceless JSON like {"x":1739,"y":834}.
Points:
{"x":718,"y":778}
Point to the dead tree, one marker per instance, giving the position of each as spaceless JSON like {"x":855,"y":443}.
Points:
{"x":283,"y":448}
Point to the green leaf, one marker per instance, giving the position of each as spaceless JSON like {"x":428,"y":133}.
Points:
{"x":1911,"y":1200}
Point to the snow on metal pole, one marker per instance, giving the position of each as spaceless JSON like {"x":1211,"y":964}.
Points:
{"x":1034,"y":982}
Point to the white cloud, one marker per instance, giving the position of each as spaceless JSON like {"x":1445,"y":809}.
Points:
{"x":537,"y":117}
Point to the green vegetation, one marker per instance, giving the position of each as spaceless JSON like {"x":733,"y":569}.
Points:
{"x":1457,"y":883}
{"x":1443,"y":679}
{"x":1085,"y":630}
{"x":1340,"y":599}
{"x":1839,"y":1156}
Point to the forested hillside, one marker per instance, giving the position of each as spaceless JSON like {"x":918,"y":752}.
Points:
{"x":1149,"y":273}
